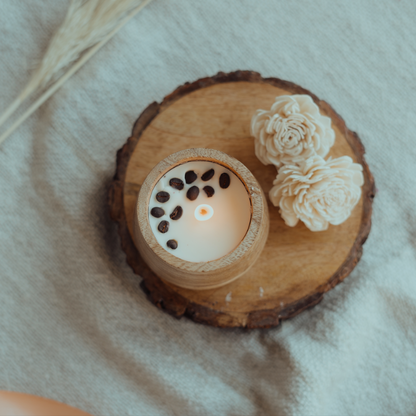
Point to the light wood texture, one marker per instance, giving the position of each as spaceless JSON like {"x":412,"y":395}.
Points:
{"x":297,"y":266}
{"x":203,"y":275}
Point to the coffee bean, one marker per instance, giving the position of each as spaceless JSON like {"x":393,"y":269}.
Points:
{"x":176,"y":183}
{"x":162,"y":196}
{"x":190,"y":176}
{"x":157,"y":212}
{"x":225,"y":180}
{"x":208,"y":175}
{"x":192,"y":193}
{"x":209,"y":190}
{"x":163,"y":227}
{"x":176,"y":213}
{"x":173,"y":244}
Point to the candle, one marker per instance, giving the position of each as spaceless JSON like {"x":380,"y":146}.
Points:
{"x":204,"y":209}
{"x":201,"y":219}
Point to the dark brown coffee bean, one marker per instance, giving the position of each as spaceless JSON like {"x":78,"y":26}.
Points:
{"x":162,"y":196}
{"x":173,"y":244}
{"x":190,"y":176}
{"x":176,"y":183}
{"x":163,"y":227}
{"x":225,"y":180}
{"x":176,"y":213}
{"x":192,"y":193}
{"x":157,"y":212}
{"x":208,"y":175}
{"x":209,"y":190}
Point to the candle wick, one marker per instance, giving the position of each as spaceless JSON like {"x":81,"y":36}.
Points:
{"x":203,"y":212}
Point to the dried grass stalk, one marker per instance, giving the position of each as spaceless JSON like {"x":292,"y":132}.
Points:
{"x":88,"y":25}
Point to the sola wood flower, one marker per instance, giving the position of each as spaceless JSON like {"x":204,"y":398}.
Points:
{"x":317,"y":192}
{"x":293,"y":130}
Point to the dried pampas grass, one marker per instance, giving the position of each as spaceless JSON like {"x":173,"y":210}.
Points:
{"x":88,"y":25}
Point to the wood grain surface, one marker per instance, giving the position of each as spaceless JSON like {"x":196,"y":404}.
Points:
{"x":297,"y":266}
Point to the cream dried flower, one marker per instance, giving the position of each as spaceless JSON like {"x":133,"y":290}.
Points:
{"x":293,"y":130}
{"x":317,"y":192}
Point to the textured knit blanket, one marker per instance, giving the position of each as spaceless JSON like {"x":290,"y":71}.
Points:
{"x":74,"y":324}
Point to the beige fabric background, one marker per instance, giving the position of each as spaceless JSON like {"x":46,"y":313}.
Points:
{"x":74,"y":325}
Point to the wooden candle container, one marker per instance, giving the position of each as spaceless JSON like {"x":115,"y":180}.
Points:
{"x":202,"y":275}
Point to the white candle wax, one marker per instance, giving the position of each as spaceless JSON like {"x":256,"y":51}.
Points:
{"x":193,"y":237}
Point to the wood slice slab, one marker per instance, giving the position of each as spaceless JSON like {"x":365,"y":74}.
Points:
{"x":297,"y":265}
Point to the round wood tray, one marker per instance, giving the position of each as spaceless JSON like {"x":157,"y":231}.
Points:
{"x":297,"y":266}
